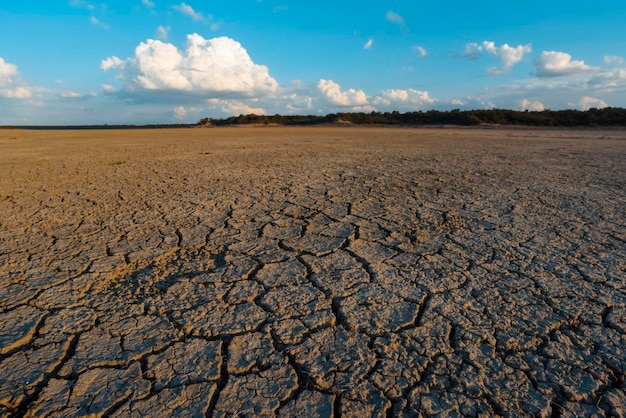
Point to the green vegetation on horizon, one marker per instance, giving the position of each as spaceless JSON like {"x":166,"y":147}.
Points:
{"x":610,"y":116}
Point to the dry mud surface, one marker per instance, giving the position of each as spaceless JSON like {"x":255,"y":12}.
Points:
{"x":312,"y":271}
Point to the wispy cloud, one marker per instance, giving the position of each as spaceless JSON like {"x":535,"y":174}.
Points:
{"x":235,"y":107}
{"x":149,"y":4}
{"x":613,"y":60}
{"x":81,"y":4}
{"x":188,"y":10}
{"x":162,"y":32}
{"x":421,"y":51}
{"x":610,"y":80}
{"x":68,"y":94}
{"x":394,"y":17}
{"x":96,"y":22}
{"x":507,"y":54}
{"x":107,"y":88}
{"x":580,"y":90}
{"x":368,"y":44}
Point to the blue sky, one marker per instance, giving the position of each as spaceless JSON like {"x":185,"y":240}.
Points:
{"x":160,"y":61}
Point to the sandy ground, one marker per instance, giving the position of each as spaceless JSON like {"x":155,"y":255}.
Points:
{"x":312,"y":271}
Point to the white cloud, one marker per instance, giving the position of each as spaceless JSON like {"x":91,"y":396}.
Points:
{"x":107,"y":88}
{"x":368,"y":44}
{"x":507,"y":54}
{"x":610,"y":75}
{"x":10,"y":83}
{"x":609,"y":80}
{"x":613,"y":60}
{"x":234,"y":107}
{"x":70,"y":95}
{"x":7,"y":72}
{"x":296,"y":104}
{"x":556,"y":64}
{"x":421,"y":51}
{"x":587,"y":103}
{"x":473,"y":50}
{"x":394,"y":17}
{"x":471,"y":102}
{"x":112,"y":63}
{"x":188,"y":10}
{"x":96,"y":22}
{"x":558,"y":92}
{"x":298,"y":99}
{"x":218,"y":67}
{"x":180,"y":112}
{"x":18,"y":92}
{"x":162,"y":32}
{"x":401,"y":100}
{"x":532,"y":105}
{"x":332,"y":93}
{"x":149,"y":4}
{"x":81,"y":4}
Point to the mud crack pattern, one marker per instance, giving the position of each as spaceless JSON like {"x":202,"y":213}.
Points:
{"x":318,"y":272}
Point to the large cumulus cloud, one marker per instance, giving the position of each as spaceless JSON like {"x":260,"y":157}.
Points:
{"x":213,"y":68}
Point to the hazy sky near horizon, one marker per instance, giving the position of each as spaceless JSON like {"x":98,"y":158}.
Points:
{"x":162,"y":61}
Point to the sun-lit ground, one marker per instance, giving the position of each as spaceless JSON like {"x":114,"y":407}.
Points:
{"x":312,"y":271}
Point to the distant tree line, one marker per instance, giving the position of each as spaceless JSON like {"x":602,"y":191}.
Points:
{"x":97,"y":127}
{"x":610,"y":116}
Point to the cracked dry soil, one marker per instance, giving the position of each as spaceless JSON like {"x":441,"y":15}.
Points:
{"x":313,"y":271}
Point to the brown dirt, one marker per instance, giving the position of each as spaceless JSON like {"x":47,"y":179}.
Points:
{"x":319,"y":271}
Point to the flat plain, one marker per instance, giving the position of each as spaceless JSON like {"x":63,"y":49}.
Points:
{"x":327,"y":271}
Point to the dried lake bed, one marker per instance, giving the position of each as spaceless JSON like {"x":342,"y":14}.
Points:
{"x":327,"y":271}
